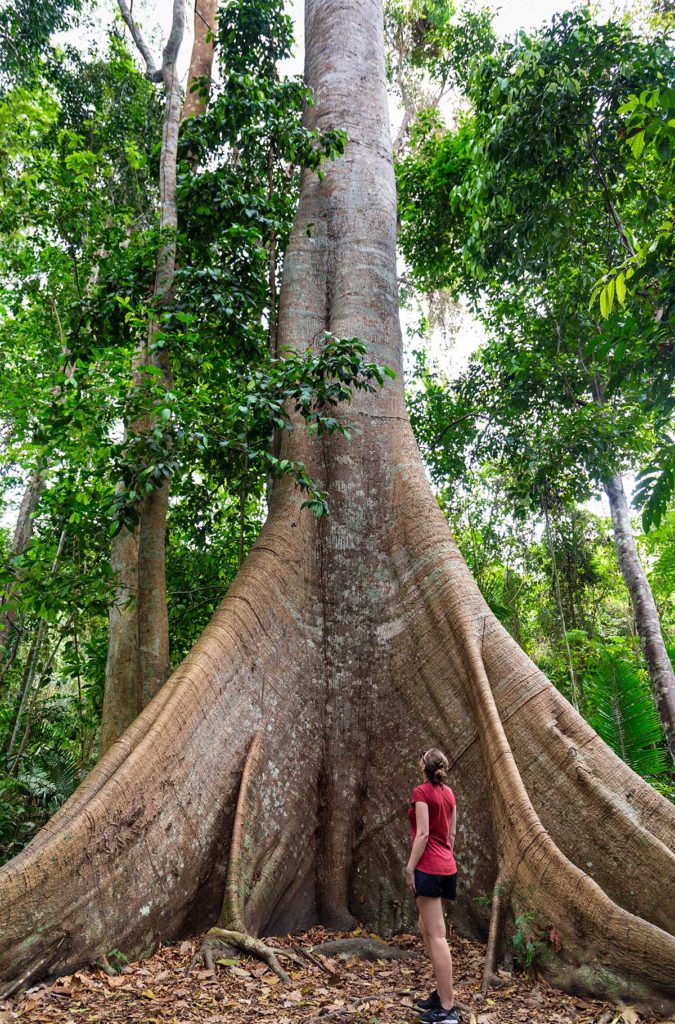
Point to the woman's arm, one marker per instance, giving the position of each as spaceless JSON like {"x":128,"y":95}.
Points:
{"x":419,"y":842}
{"x":452,"y":828}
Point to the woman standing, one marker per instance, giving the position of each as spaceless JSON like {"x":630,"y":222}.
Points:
{"x":431,"y":873}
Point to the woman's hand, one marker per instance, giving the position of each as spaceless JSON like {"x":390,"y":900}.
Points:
{"x":410,"y":879}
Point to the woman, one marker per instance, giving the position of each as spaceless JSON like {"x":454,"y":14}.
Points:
{"x":431,"y":873}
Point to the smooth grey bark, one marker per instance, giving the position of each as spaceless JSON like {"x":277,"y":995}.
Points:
{"x":153,"y":615}
{"x":647,"y":620}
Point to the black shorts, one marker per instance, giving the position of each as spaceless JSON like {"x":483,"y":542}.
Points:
{"x":436,"y":885}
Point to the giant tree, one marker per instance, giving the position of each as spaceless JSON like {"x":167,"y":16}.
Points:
{"x":342,"y":645}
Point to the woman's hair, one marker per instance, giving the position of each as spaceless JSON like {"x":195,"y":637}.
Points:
{"x":435,"y":766}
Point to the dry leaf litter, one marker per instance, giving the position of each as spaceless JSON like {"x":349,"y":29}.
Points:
{"x":162,"y":990}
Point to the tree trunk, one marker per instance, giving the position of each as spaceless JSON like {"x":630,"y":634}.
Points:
{"x":121,"y":696}
{"x":647,"y":620}
{"x":23,"y":531}
{"x":201,"y":60}
{"x":138,"y":662}
{"x":346,"y":646}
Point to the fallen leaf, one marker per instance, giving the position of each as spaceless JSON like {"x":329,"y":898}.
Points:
{"x":185,"y":947}
{"x":117,"y":981}
{"x":240,"y":972}
{"x":147,"y":994}
{"x":60,"y":990}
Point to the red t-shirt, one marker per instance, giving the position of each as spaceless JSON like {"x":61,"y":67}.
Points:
{"x":437,"y":858}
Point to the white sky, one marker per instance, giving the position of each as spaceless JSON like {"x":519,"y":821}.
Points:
{"x":510,"y":16}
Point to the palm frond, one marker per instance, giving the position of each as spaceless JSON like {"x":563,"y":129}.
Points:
{"x":622,"y":712}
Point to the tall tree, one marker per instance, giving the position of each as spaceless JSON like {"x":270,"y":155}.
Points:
{"x":533,"y":196}
{"x":342,"y":644}
{"x":138,"y":648}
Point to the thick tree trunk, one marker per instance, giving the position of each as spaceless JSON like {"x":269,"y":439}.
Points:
{"x":344,"y":647}
{"x":647,"y":620}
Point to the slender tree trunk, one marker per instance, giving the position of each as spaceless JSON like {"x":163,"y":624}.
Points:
{"x":153,"y":615}
{"x":341,"y":646}
{"x":646,"y":615}
{"x":26,"y":684}
{"x":138,"y":661}
{"x":201,"y":60}
{"x":23,"y":531}
{"x":121,"y":697}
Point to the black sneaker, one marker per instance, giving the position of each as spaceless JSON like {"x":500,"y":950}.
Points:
{"x":431,"y":1003}
{"x":438,"y":1015}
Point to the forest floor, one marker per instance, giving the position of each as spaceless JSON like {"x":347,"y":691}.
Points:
{"x":160,"y":990}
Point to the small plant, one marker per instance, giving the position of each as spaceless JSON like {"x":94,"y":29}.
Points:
{"x":527,"y":946}
{"x":483,"y":901}
{"x":117,"y":959}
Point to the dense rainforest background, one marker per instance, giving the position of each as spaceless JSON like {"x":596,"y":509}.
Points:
{"x":141,"y":363}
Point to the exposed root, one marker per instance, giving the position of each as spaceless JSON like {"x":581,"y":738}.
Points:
{"x":316,"y":961}
{"x":544,"y":880}
{"x":500,"y":899}
{"x":231,"y":933}
{"x":245,"y":943}
{"x":364,"y":948}
{"x":232,"y":914}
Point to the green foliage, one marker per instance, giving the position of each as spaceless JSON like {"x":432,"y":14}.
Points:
{"x":26,"y":29}
{"x":655,"y":484}
{"x":435,"y":38}
{"x":117,"y":959}
{"x":522,"y":206}
{"x":526,"y":944}
{"x":623,"y":712}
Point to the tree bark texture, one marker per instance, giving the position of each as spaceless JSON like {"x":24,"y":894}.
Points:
{"x":201,"y":60}
{"x":647,"y":622}
{"x":343,"y":648}
{"x":121,"y":696}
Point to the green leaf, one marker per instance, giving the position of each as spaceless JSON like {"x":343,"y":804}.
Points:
{"x":637,"y":143}
{"x":607,"y":299}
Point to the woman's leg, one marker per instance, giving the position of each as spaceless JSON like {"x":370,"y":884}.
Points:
{"x":433,"y":930}
{"x":423,"y":933}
